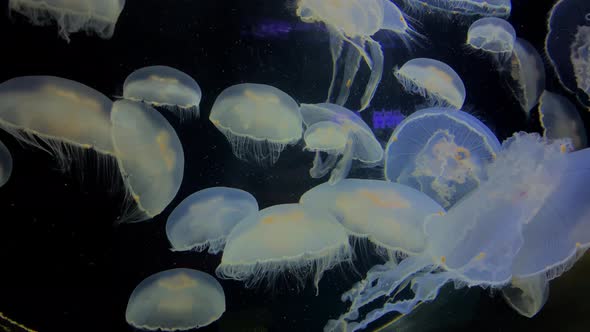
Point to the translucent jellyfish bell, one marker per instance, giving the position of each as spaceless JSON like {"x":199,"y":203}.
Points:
{"x":494,"y":36}
{"x":175,"y":300}
{"x":527,"y":75}
{"x":433,"y":80}
{"x":441,"y":152}
{"x":452,"y":8}
{"x":258,"y":120}
{"x":205,"y":219}
{"x":288,"y":238}
{"x":560,"y":119}
{"x":5,"y":164}
{"x":98,"y":16}
{"x":164,"y":86}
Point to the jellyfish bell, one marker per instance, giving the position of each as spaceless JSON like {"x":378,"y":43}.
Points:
{"x":560,"y":119}
{"x":5,"y":164}
{"x":258,"y":120}
{"x":493,"y":36}
{"x":327,"y":137}
{"x":526,"y":75}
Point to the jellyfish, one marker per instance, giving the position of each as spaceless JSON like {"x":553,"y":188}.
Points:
{"x":433,"y":80}
{"x":441,"y":152}
{"x":204,"y":219}
{"x":494,"y":36}
{"x":567,"y":46}
{"x":258,"y":120}
{"x":175,"y":300}
{"x":165,"y":86}
{"x":352,"y":23}
{"x":5,"y":164}
{"x":284,"y":238}
{"x":97,"y":16}
{"x":450,"y":8}
{"x":527,"y":75}
{"x":351,"y":136}
{"x":390,"y":215}
{"x":560,"y":119}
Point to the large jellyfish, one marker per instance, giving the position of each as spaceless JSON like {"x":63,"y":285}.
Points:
{"x":359,"y":141}
{"x":175,"y":300}
{"x":205,"y":219}
{"x":284,"y":238}
{"x":390,"y":215}
{"x":527,"y":75}
{"x":497,"y":8}
{"x":560,"y":119}
{"x":434,"y":80}
{"x":494,"y":36}
{"x":528,"y":219}
{"x":442,"y":152}
{"x":165,"y":86}
{"x":353,"y":22}
{"x":5,"y":164}
{"x":258,"y":120}
{"x":98,"y":16}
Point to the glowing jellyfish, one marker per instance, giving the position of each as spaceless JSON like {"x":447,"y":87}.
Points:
{"x":149,"y":155}
{"x":258,"y":120}
{"x":568,"y":45}
{"x":451,"y":8}
{"x":348,"y":128}
{"x":167,"y":87}
{"x":5,"y":164}
{"x":175,"y":300}
{"x":204,"y":219}
{"x":98,"y":16}
{"x":354,"y":22}
{"x":390,"y":215}
{"x":433,"y":80}
{"x":441,"y":152}
{"x":527,"y":75}
{"x":560,"y":119}
{"x":284,"y":238}
{"x":494,"y":36}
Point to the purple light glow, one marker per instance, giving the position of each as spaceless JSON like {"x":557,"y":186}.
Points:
{"x":276,"y":29}
{"x":387,"y":119}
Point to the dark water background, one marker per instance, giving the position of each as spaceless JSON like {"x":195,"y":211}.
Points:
{"x":64,"y":267}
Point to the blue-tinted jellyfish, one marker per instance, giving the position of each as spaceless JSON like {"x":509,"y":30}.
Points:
{"x":451,"y":8}
{"x":352,"y":23}
{"x":149,"y":155}
{"x":258,"y":120}
{"x":167,"y":87}
{"x":288,"y":238}
{"x":390,"y":215}
{"x":434,"y":80}
{"x":175,"y":300}
{"x":493,"y":36}
{"x":567,"y":46}
{"x":205,"y":219}
{"x":5,"y":164}
{"x":442,"y":152}
{"x":560,"y":119}
{"x":528,"y":219}
{"x":527,"y":75}
{"x":98,"y":16}
{"x":359,"y":141}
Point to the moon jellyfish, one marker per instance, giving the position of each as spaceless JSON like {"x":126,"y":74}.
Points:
{"x":527,"y":75}
{"x":527,"y":295}
{"x":560,"y":119}
{"x":5,"y":164}
{"x":149,"y":155}
{"x":390,"y":215}
{"x":258,"y":120}
{"x":175,"y":300}
{"x":204,"y":219}
{"x":441,"y":152}
{"x":98,"y":16}
{"x":284,"y":238}
{"x":328,"y":137}
{"x":494,"y":36}
{"x":352,"y":23}
{"x":433,"y":80}
{"x":359,"y":141}
{"x":164,"y":86}
{"x":498,"y":8}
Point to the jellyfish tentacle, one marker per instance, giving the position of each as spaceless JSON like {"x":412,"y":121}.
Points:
{"x":376,"y":73}
{"x":336,"y":45}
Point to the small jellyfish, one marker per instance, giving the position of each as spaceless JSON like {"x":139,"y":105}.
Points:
{"x":5,"y":164}
{"x":175,"y":300}
{"x":560,"y":119}
{"x":494,"y":36}
{"x":258,"y":120}
{"x":149,"y":155}
{"x":434,"y":80}
{"x":288,"y":238}
{"x":453,"y":8}
{"x":167,"y":87}
{"x":328,"y":137}
{"x":205,"y":219}
{"x":527,"y":75}
{"x":98,"y":16}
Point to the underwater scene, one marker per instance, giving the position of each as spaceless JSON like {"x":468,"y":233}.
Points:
{"x":294,"y":165}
